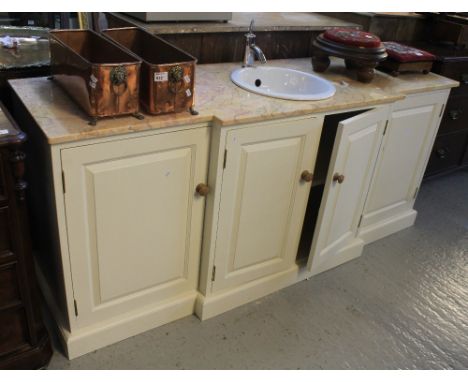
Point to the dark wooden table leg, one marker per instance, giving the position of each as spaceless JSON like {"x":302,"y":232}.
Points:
{"x":320,"y":62}
{"x":350,"y":64}
{"x":365,"y":71}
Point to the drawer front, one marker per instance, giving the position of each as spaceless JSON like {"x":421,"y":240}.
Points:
{"x":456,"y":115}
{"x":14,"y":330}
{"x":447,"y":152}
{"x":5,"y":233}
{"x":3,"y":191}
{"x":9,"y":290}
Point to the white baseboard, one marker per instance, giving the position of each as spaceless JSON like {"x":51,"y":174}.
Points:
{"x":84,"y":340}
{"x":220,"y":302}
{"x":387,"y":227}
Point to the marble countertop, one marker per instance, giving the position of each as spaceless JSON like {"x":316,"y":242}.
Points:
{"x":218,"y":101}
{"x":264,"y":22}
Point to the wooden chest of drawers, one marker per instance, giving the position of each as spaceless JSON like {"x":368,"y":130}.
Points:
{"x":24,"y":342}
{"x":450,"y":149}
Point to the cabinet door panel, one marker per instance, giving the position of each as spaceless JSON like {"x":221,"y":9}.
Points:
{"x":354,"y":155}
{"x":131,"y":196}
{"x":263,"y":199}
{"x":406,"y":148}
{"x":134,"y":220}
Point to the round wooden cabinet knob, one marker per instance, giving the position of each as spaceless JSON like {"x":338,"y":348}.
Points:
{"x":306,"y":176}
{"x":338,"y":178}
{"x":202,"y":189}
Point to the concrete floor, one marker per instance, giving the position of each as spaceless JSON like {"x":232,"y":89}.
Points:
{"x":402,"y":305}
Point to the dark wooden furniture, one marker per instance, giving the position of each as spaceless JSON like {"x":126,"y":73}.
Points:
{"x":450,"y":150}
{"x":24,"y":341}
{"x":450,"y":28}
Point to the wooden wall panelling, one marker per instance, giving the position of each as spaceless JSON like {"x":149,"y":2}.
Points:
{"x":225,"y":47}
{"x":229,"y":47}
{"x":287,"y":44}
{"x":397,"y":28}
{"x":387,"y":27}
{"x":190,"y":42}
{"x":211,"y":48}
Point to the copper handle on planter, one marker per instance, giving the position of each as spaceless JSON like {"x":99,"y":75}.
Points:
{"x":306,"y":176}
{"x":338,"y":178}
{"x":118,"y":75}
{"x":202,"y":189}
{"x":175,"y":75}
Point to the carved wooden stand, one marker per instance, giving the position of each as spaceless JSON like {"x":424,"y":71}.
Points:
{"x":362,"y":60}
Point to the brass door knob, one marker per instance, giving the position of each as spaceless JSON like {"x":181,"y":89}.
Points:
{"x":306,"y":176}
{"x":338,"y":178}
{"x":202,"y":189}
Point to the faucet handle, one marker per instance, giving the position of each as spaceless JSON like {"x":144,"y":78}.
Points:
{"x":250,"y":35}
{"x":251,"y":26}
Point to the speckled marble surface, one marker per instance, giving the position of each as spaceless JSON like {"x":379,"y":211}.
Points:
{"x":264,"y":22}
{"x":219,"y":101}
{"x":402,"y":305}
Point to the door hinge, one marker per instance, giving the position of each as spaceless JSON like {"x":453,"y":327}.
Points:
{"x":441,"y":110}
{"x":76,"y":307}
{"x":63,"y":181}
{"x":213,"y":273}
{"x":415,"y":192}
{"x":385,"y":128}
{"x":360,"y":221}
{"x":225,"y":157}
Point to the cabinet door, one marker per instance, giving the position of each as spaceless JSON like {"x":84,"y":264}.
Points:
{"x":405,"y":152}
{"x":134,"y":220}
{"x":357,"y":144}
{"x":263,"y":199}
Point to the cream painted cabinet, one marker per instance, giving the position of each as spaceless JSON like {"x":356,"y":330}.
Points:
{"x":405,"y":151}
{"x":350,"y":171}
{"x":134,"y":224}
{"x":263,"y":199}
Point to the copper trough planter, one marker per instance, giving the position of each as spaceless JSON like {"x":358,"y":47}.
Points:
{"x":167,"y":72}
{"x":99,"y":75}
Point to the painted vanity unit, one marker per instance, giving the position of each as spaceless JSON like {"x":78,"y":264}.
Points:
{"x":140,"y":223}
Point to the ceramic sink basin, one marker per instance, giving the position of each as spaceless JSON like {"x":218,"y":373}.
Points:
{"x":283,"y":83}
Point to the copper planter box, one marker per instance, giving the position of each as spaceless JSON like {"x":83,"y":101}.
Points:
{"x":167,"y":72}
{"x":100,"y":76}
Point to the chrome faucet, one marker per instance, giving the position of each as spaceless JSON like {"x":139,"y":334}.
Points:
{"x":252,"y":50}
